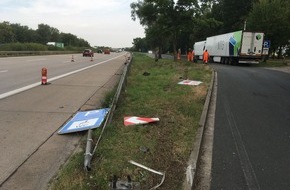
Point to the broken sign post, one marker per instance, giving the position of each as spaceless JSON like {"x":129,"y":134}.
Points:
{"x":88,"y":154}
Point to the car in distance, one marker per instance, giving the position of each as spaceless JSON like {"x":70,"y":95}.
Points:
{"x":88,"y":52}
{"x":107,"y":51}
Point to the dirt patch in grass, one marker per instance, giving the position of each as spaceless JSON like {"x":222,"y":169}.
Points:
{"x":163,"y":146}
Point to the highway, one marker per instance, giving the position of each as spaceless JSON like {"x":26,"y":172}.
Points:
{"x":19,"y":72}
{"x":31,"y":114}
{"x":252,"y":129}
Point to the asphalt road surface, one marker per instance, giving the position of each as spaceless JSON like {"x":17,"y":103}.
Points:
{"x":251,"y":148}
{"x":19,"y":72}
{"x":31,"y":150}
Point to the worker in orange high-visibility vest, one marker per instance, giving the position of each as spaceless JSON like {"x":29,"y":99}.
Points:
{"x":178,"y":54}
{"x":205,"y":57}
{"x":189,"y":55}
{"x":192,"y":55}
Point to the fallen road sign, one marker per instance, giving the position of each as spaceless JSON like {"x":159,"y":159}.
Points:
{"x":190,"y":82}
{"x":133,"y":120}
{"x":84,"y":120}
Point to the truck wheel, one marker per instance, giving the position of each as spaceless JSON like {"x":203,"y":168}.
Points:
{"x":226,"y":61}
{"x":234,"y":61}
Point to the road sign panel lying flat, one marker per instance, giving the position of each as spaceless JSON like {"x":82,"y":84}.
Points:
{"x":84,"y":120}
{"x":133,"y":120}
{"x":190,"y":82}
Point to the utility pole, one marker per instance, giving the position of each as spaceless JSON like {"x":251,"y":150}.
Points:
{"x":245,"y":25}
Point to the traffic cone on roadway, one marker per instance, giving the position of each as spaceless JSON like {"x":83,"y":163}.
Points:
{"x":72,"y":58}
{"x":92,"y":58}
{"x":43,"y":76}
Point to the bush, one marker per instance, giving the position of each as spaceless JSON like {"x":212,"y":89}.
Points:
{"x":23,"y":47}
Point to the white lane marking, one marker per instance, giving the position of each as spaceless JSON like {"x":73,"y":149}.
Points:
{"x":32,"y":60}
{"x":3,"y":71}
{"x":16,"y":91}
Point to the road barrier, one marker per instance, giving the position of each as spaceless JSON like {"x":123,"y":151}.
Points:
{"x":122,"y":83}
{"x":43,"y":76}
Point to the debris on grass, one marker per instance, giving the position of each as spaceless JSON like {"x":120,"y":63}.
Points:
{"x":117,"y":184}
{"x":190,"y":82}
{"x":133,"y":120}
{"x":150,"y":170}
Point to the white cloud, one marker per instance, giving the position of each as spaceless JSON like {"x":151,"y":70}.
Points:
{"x":100,"y":22}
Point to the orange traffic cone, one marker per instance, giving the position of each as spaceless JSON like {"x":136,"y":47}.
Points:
{"x":44,"y":76}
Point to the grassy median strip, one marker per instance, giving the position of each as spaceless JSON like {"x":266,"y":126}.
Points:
{"x":151,"y":91}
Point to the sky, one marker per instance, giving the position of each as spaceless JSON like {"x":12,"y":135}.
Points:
{"x":100,"y":22}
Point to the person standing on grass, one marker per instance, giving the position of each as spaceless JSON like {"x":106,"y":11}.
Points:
{"x":178,"y":54}
{"x":205,"y":57}
{"x":156,"y":54}
{"x":189,"y":55}
{"x":192,"y":55}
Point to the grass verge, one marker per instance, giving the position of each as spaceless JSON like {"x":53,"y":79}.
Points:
{"x":275,"y":63}
{"x":168,"y":143}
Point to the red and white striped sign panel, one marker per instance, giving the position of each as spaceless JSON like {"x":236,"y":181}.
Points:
{"x":133,"y":120}
{"x":190,"y":82}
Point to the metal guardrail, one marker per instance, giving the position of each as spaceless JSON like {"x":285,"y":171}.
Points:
{"x":28,"y":53}
{"x":89,"y":153}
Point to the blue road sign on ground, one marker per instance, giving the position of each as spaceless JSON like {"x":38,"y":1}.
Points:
{"x":84,"y":120}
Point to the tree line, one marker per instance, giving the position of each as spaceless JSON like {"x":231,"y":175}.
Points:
{"x":170,"y":25}
{"x":16,"y":33}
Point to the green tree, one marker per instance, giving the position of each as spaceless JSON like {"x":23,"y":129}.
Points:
{"x":165,"y":20}
{"x":207,"y":22}
{"x":83,"y":43}
{"x":47,"y":34}
{"x":24,"y":34}
{"x":273,"y":18}
{"x":6,"y":33}
{"x":222,"y":16}
{"x":72,"y":40}
{"x":16,"y":33}
{"x":54,"y":35}
{"x":234,"y":14}
{"x":44,"y":34}
{"x":139,"y":44}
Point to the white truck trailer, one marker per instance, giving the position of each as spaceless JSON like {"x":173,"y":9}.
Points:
{"x":199,"y":48}
{"x":234,"y":47}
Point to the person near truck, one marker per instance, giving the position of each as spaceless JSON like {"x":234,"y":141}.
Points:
{"x":205,"y":57}
{"x":156,"y":54}
{"x":189,"y":55}
{"x":178,"y":54}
